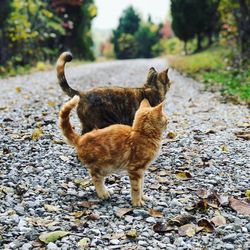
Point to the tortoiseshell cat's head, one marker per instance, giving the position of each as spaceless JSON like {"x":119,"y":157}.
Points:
{"x":158,"y":81}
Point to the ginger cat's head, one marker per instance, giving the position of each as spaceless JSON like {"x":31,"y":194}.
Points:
{"x":149,"y":118}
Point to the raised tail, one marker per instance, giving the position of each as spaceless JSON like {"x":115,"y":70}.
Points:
{"x":64,"y":122}
{"x":63,"y":58}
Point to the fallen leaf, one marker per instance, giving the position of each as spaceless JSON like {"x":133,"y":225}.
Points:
{"x":155,"y":213}
{"x":36,"y":134}
{"x":51,"y":208}
{"x":52,"y":236}
{"x":244,"y":134}
{"x":239,"y":206}
{"x":78,"y":214}
{"x":202,"y":193}
{"x":224,"y":148}
{"x":123,"y":211}
{"x":83,"y":243}
{"x":207,"y":225}
{"x":160,"y":228}
{"x":218,"y":220}
{"x":171,"y":135}
{"x":37,"y":221}
{"x":198,"y":229}
{"x":247,"y":193}
{"x":132,"y":233}
{"x":83,"y":183}
{"x":187,"y":230}
{"x":51,"y":103}
{"x":183,"y":175}
{"x":18,"y":89}
{"x":180,"y":220}
{"x":87,"y":204}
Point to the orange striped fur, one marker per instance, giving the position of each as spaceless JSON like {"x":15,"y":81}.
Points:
{"x":118,"y":147}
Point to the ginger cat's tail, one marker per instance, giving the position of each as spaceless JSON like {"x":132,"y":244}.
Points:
{"x":63,"y":58}
{"x":64,"y":122}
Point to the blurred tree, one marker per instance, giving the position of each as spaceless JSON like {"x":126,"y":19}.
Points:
{"x":146,"y":37}
{"x":129,"y":24}
{"x":77,"y":16}
{"x":182,"y":23}
{"x":235,"y":15}
{"x":195,"y":18}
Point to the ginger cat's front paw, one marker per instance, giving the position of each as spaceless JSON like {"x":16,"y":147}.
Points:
{"x":138,"y":203}
{"x":104,"y":195}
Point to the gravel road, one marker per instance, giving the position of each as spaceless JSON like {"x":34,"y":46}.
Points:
{"x":44,"y":188}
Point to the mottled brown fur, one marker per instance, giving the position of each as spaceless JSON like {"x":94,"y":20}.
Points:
{"x":104,"y":106}
{"x":118,"y":147}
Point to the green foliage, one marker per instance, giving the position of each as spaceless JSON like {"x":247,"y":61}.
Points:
{"x":213,"y":67}
{"x":171,"y":46}
{"x":77,"y":21}
{"x":34,"y":30}
{"x":134,"y":38}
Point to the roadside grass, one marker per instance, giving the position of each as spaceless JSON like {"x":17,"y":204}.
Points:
{"x":212,"y":67}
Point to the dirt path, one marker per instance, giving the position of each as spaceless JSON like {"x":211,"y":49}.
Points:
{"x":35,"y":174}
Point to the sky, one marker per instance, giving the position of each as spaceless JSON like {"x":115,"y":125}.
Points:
{"x":109,"y":11}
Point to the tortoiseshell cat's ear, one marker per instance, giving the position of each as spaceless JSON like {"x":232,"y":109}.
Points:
{"x":144,"y":103}
{"x":163,"y":76}
{"x":151,"y":73}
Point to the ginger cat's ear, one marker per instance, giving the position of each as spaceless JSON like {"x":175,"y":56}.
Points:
{"x":144,"y":103}
{"x":160,"y":106}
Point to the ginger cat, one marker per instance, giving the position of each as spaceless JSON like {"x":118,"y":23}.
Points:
{"x":118,"y":147}
{"x":104,"y":106}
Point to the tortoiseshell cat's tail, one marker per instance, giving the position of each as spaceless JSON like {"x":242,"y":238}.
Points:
{"x":64,"y":122}
{"x":63,"y":58}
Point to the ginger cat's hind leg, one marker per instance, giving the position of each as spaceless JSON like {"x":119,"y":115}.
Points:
{"x":101,"y":190}
{"x":136,"y":179}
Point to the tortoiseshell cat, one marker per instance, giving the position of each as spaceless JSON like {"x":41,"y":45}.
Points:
{"x":104,"y":106}
{"x":118,"y":147}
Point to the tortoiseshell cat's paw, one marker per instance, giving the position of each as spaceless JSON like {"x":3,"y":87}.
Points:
{"x":104,"y":195}
{"x":138,"y":203}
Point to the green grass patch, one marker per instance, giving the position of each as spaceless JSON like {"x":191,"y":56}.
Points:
{"x":212,"y":67}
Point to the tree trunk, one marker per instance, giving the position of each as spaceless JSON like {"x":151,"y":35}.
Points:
{"x":199,"y":40}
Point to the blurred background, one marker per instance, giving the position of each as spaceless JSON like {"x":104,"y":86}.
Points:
{"x":209,"y":39}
